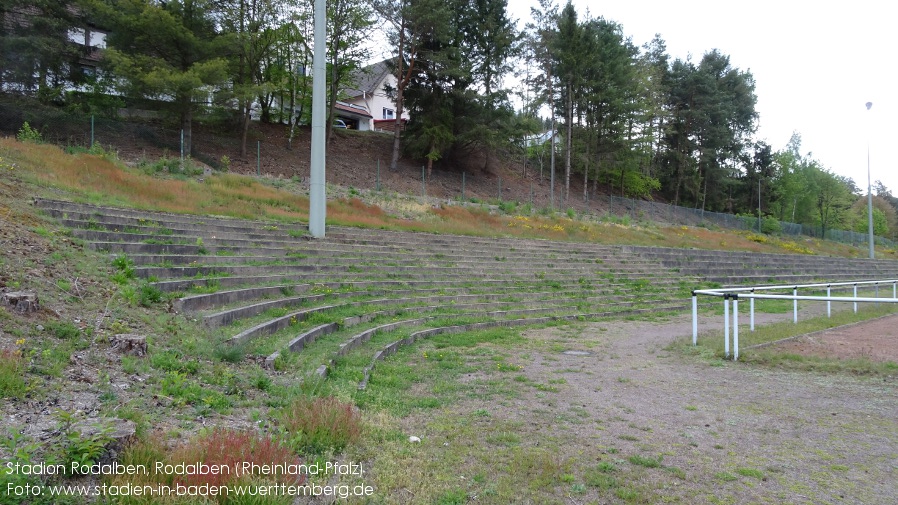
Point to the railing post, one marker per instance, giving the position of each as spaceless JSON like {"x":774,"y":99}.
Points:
{"x":726,"y":326}
{"x":795,"y":305}
{"x":694,"y":318}
{"x":735,"y":327}
{"x":829,"y":303}
{"x":895,"y":289}
{"x":751,"y":311}
{"x":855,"y":297}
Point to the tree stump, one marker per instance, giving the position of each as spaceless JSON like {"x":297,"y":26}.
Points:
{"x":115,"y":434}
{"x":129,"y":343}
{"x":22,"y":302}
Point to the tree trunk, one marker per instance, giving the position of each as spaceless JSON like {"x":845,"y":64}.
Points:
{"x":568,"y":143}
{"x":586,"y":176}
{"x":400,"y":91}
{"x":247,"y":108}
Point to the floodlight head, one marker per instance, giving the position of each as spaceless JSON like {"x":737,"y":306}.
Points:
{"x":869,"y":104}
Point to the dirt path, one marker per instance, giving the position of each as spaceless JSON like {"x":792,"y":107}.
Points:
{"x":875,"y":340}
{"x":739,"y":433}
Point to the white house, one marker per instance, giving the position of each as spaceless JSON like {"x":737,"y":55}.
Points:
{"x":367,"y":90}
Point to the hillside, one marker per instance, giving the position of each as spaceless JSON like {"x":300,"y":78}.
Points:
{"x":352,"y":156}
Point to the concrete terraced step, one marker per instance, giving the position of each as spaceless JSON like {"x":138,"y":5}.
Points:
{"x":579,"y":297}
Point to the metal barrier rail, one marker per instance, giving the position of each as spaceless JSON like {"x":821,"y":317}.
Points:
{"x":734,"y":294}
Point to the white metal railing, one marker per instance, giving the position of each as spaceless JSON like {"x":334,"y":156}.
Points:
{"x":735,"y":293}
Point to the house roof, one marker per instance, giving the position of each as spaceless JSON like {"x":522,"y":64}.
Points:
{"x":352,"y":109}
{"x":368,"y":80}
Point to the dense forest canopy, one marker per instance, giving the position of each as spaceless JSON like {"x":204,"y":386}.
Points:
{"x":477,"y":85}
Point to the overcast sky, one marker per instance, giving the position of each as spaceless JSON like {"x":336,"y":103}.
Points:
{"x":815,"y":65}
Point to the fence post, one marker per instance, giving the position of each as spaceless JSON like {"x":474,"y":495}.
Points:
{"x":259,"y":158}
{"x":726,"y":325}
{"x":182,"y":147}
{"x":829,"y":303}
{"x":531,"y":195}
{"x":463,"y":186}
{"x":795,"y":305}
{"x":91,"y":131}
{"x":423,"y":184}
{"x":377,"y":177}
{"x":735,"y":327}
{"x":499,"y":179}
{"x":751,"y":310}
{"x":694,"y":318}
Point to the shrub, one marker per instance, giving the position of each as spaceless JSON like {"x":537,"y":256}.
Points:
{"x":148,"y":295}
{"x":221,"y":447}
{"x":124,"y":268}
{"x":770,"y":225}
{"x":314,"y":425}
{"x":28,"y":134}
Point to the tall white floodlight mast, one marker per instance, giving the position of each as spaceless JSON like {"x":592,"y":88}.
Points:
{"x":869,"y":191}
{"x":317,"y":193}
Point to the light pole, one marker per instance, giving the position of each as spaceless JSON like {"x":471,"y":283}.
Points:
{"x":869,"y":190}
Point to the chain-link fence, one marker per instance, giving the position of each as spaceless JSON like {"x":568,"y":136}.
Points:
{"x":662,"y":212}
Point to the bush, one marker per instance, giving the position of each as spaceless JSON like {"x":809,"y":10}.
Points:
{"x":124,"y":265}
{"x":221,"y":447}
{"x":508,"y":207}
{"x":770,"y":226}
{"x":28,"y":134}
{"x":148,"y":295}
{"x":314,"y":425}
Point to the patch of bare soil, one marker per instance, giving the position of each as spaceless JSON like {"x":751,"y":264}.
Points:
{"x":726,"y":432}
{"x":875,"y":340}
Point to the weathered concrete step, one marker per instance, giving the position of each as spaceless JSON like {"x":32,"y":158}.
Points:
{"x":391,"y":348}
{"x":212,"y":245}
{"x":223,"y":298}
{"x":139,"y":218}
{"x":576,"y":294}
{"x":276,"y":324}
{"x":351,"y":271}
{"x":151,"y":222}
{"x":60,"y":208}
{"x":772,"y":270}
{"x":306,"y":338}
{"x":358,"y":260}
{"x":324,"y":250}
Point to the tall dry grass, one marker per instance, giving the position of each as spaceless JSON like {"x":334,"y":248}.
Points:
{"x":101,"y":180}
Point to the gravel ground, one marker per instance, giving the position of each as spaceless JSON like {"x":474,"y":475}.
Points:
{"x":736,"y":433}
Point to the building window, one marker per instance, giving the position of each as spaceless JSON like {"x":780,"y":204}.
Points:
{"x":388,"y":113}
